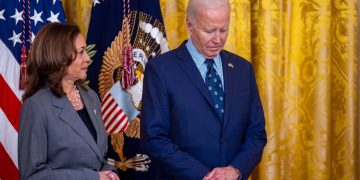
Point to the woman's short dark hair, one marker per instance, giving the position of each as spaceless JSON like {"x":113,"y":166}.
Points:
{"x":51,"y":53}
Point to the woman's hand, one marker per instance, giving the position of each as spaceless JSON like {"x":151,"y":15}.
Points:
{"x":108,"y":175}
{"x":103,"y":175}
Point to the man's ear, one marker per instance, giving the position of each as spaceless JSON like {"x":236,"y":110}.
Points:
{"x":189,"y":25}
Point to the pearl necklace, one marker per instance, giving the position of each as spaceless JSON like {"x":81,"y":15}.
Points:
{"x":77,"y":101}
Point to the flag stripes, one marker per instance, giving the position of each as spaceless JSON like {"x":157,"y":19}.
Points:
{"x":9,"y":138}
{"x":9,"y":104}
{"x":10,"y":70}
{"x":10,"y":172}
{"x":115,"y":120}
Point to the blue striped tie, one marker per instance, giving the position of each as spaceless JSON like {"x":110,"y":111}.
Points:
{"x":214,"y":85}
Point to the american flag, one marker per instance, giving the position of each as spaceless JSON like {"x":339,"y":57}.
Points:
{"x":115,"y":119}
{"x":117,"y":109}
{"x":20,"y":20}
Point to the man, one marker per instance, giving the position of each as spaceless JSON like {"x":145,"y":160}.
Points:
{"x":202,"y":116}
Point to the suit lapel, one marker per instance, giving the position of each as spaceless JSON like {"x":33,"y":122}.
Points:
{"x":71,"y":118}
{"x":189,"y":67}
{"x":89,"y":105}
{"x":228,"y":68}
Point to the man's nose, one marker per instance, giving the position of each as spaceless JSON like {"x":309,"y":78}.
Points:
{"x":216,"y":37}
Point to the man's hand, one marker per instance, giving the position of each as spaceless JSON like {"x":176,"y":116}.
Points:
{"x":223,"y":173}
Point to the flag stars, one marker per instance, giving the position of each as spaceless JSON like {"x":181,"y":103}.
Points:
{"x":95,"y":2}
{"x":53,"y":17}
{"x":36,"y":17}
{"x":2,"y":14}
{"x":15,"y":38}
{"x":17,"y":16}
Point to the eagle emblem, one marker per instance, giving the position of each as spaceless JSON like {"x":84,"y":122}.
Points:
{"x":148,"y":42}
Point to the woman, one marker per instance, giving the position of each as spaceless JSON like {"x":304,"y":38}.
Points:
{"x":61,"y":134}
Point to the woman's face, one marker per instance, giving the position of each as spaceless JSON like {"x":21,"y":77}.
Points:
{"x":78,"y":68}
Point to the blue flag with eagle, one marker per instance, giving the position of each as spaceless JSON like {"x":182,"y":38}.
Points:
{"x":125,"y":35}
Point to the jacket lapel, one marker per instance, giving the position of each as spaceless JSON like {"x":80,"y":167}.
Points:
{"x":228,"y":68}
{"x":70,"y":117}
{"x":189,"y":67}
{"x":89,"y":105}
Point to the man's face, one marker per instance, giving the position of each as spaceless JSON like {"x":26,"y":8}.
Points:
{"x":209,"y":29}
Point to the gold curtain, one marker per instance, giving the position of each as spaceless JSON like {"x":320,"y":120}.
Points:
{"x":174,"y":14}
{"x":305,"y":55}
{"x":305,"y":58}
{"x":78,"y":12}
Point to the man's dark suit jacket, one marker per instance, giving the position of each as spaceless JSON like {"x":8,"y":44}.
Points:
{"x":180,"y":128}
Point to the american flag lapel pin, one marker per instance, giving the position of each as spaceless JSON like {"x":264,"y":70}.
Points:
{"x":231,"y":65}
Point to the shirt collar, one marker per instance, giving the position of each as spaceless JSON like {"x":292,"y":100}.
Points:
{"x":198,"y":58}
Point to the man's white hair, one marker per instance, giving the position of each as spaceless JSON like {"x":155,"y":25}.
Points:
{"x":195,"y":5}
